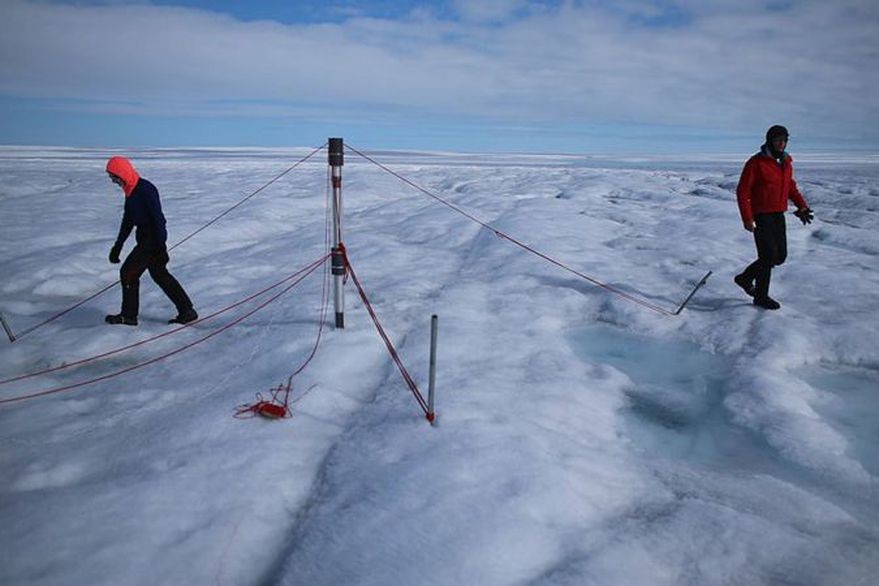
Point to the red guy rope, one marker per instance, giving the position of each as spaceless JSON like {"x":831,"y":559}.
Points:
{"x":67,"y":365}
{"x":410,"y":382}
{"x":229,"y":325}
{"x":515,"y":241}
{"x":275,"y":408}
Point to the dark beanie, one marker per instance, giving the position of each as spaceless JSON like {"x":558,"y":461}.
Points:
{"x":776,"y":131}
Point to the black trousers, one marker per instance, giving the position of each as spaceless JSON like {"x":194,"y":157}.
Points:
{"x":145,"y":257}
{"x":770,"y":235}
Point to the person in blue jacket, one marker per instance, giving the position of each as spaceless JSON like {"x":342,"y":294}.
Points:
{"x":143,"y":211}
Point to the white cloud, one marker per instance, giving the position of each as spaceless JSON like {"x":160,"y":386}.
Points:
{"x":735,"y":66}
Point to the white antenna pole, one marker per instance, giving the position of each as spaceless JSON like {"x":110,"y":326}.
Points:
{"x":431,"y":413}
{"x":336,"y":160}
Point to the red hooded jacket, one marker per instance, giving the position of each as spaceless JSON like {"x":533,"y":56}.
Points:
{"x":766,"y":185}
{"x":143,"y":209}
{"x":122,"y":168}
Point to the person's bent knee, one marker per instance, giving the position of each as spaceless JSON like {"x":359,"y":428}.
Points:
{"x":128,"y":278}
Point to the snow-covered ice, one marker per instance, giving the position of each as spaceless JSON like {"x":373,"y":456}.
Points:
{"x":582,"y":439}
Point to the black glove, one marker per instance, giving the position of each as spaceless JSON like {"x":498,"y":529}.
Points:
{"x":805,"y":215}
{"x":114,"y":253}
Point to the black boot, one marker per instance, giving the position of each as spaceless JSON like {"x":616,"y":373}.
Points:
{"x":120,"y":319}
{"x":766,"y":302}
{"x":745,"y":283}
{"x":184,"y":317}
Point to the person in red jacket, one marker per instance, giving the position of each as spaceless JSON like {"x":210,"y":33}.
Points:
{"x":143,"y":211}
{"x":766,"y":185}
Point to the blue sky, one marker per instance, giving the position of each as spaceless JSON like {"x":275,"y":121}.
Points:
{"x":590,"y":76}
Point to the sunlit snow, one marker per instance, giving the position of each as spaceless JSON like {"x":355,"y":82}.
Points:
{"x":582,"y":439}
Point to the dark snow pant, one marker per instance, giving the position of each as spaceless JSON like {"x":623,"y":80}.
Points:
{"x":770,"y":235}
{"x":148,"y":258}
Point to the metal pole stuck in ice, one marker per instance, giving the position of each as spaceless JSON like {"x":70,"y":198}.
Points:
{"x":336,"y":160}
{"x":693,"y":292}
{"x":431,"y":413}
{"x":7,"y":328}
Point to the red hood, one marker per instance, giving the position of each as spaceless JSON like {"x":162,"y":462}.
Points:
{"x":122,"y":168}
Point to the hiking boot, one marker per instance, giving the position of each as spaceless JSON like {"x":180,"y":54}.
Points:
{"x":746,"y":285}
{"x":184,"y":317}
{"x":120,"y":319}
{"x":766,"y":302}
